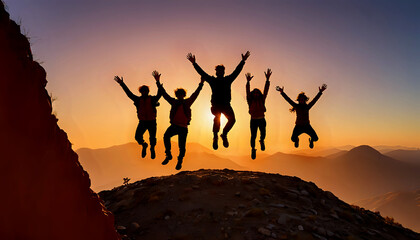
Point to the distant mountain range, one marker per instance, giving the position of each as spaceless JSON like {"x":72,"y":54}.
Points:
{"x":403,"y":206}
{"x":108,"y":166}
{"x":323,"y":152}
{"x":408,"y":156}
{"x":359,"y":173}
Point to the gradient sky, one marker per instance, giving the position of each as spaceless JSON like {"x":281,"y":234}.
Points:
{"x":367,"y":52}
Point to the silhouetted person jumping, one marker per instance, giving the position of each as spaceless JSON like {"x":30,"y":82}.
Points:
{"x":180,"y":117}
{"x":146,"y":113}
{"x":256,"y":103}
{"x":221,"y":96}
{"x":302,"y":115}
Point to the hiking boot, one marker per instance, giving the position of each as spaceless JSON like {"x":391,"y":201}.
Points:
{"x":167,"y":159}
{"x":225,"y":140}
{"x":152,"y":152}
{"x":143,"y":151}
{"x":262,"y":145}
{"x":311,"y":143}
{"x":253,"y":153}
{"x":215,"y":142}
{"x":297,"y":143}
{"x":179,"y":164}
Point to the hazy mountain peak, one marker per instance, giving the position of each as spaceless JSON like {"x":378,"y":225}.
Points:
{"x":365,"y":150}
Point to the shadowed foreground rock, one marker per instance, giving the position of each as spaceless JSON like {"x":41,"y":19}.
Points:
{"x":45,"y":192}
{"x":226,"y":204}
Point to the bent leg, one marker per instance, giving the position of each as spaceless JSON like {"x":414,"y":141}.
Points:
{"x":170,"y":132}
{"x":141,"y":129}
{"x":254,"y":128}
{"x":182,"y":140}
{"x":311,"y":132}
{"x":298,"y":130}
{"x":230,"y":115}
{"x":216,"y":121}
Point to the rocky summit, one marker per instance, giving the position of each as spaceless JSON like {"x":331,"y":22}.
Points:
{"x":227,"y":204}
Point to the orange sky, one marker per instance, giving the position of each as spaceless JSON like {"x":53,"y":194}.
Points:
{"x":365,"y":55}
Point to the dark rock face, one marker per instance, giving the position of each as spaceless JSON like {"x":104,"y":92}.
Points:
{"x":226,"y":204}
{"x":45,"y":192}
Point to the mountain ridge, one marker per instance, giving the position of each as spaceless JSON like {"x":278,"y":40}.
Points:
{"x":107,"y":166}
{"x":363,"y":163}
{"x":365,"y":149}
{"x":403,"y":206}
{"x":408,"y":156}
{"x":228,"y":204}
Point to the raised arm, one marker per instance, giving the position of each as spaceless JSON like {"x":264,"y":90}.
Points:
{"x":158,"y":95}
{"x":267,"y":82}
{"x":248,"y":85}
{"x":162,"y":91}
{"x":125,"y":88}
{"x":197,"y":68}
{"x":159,"y":92}
{"x":196,"y":92}
{"x":290,"y":101}
{"x":239,"y":68}
{"x":321,"y":89}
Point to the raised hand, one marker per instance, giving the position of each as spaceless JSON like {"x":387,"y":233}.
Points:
{"x":118,"y":79}
{"x":202,"y":80}
{"x":248,"y":76}
{"x":191,"y":57}
{"x":323,"y":87}
{"x":245,"y":56}
{"x":280,"y":89}
{"x":156,"y":75}
{"x":268,"y":73}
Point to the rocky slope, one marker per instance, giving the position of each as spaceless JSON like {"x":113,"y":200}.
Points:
{"x":226,"y":204}
{"x":45,"y":192}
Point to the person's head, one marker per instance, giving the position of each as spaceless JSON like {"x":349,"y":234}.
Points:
{"x":256,"y":94}
{"x":180,"y":93}
{"x":144,"y":90}
{"x":220,"y":70}
{"x":302,"y":98}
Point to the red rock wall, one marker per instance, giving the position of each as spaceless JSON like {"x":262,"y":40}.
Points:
{"x":45,"y":193}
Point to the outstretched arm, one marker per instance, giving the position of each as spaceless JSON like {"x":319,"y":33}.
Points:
{"x":290,"y":101}
{"x":127,"y":91}
{"x":248,"y":85}
{"x":267,"y":82}
{"x":197,"y":91}
{"x":200,"y":71}
{"x":321,"y":89}
{"x":158,"y":95}
{"x":239,"y":68}
{"x":162,"y":91}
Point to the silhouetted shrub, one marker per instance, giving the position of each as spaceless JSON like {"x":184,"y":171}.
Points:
{"x":391,"y":220}
{"x":126,"y":180}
